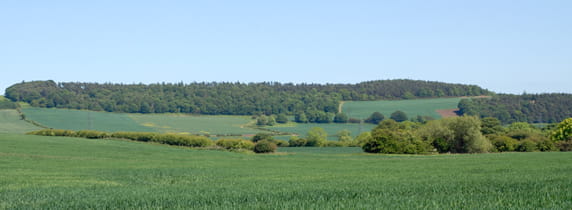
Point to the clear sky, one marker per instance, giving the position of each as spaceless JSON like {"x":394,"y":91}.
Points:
{"x":507,"y":46}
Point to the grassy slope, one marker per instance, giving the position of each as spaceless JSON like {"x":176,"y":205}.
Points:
{"x":166,"y":123}
{"x":10,"y":122}
{"x":205,"y":124}
{"x":423,"y":107}
{"x":69,"y":173}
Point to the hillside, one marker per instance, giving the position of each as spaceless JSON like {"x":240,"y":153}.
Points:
{"x":531,"y":108}
{"x":226,"y":98}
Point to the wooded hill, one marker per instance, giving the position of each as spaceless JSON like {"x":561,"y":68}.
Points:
{"x":531,"y":108}
{"x":226,"y":98}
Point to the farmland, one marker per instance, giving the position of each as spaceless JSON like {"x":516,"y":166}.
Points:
{"x":10,"y":122}
{"x":71,"y":173}
{"x":165,"y":123}
{"x":423,"y":107}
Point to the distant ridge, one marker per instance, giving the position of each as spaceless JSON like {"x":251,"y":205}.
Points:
{"x":226,"y":97}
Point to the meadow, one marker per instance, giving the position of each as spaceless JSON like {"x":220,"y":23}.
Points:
{"x":71,"y":173}
{"x":414,"y":107}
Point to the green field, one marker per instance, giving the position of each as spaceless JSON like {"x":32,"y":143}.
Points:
{"x":70,"y":173}
{"x":303,"y":128}
{"x":10,"y":122}
{"x":165,"y":123}
{"x":423,"y":107}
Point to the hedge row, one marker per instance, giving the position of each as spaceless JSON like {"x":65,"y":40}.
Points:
{"x":170,"y":139}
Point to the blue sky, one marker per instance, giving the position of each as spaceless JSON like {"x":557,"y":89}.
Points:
{"x":508,"y":46}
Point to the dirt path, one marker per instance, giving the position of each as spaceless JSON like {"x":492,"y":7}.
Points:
{"x":447,"y":112}
{"x":340,"y":106}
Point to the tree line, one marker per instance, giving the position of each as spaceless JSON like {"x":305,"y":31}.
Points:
{"x":531,"y":108}
{"x":227,"y":98}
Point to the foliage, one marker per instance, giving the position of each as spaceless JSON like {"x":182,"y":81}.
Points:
{"x":504,"y":143}
{"x":341,"y":118}
{"x":224,"y":98}
{"x":527,"y":146}
{"x":262,"y":136}
{"x":296,"y":141}
{"x":392,"y":138}
{"x":491,"y":125}
{"x":7,"y":104}
{"x":375,"y":118}
{"x":235,"y":144}
{"x":344,"y":136}
{"x":281,"y":143}
{"x":92,"y":134}
{"x":456,"y":135}
{"x":265,"y":146}
{"x":316,"y":137}
{"x":399,"y":116}
{"x":362,"y":138}
{"x":282,"y":118}
{"x":265,"y":120}
{"x":564,"y":145}
{"x":564,"y":131}
{"x":531,"y":108}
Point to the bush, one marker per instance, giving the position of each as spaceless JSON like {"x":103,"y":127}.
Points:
{"x":265,"y":147}
{"x":526,"y":146}
{"x":297,"y":141}
{"x":235,"y":144}
{"x":182,"y":140}
{"x":504,"y":143}
{"x":564,"y":145}
{"x":281,"y":143}
{"x":354,"y":120}
{"x":334,"y":144}
{"x":262,"y":136}
{"x":546,"y":146}
{"x":92,"y":134}
{"x":136,"y":136}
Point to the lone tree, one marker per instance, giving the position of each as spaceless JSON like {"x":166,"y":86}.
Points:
{"x":375,"y":118}
{"x":399,"y":116}
{"x":316,"y":137}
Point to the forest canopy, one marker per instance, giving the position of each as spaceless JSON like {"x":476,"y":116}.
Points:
{"x":226,"y":97}
{"x":531,"y":108}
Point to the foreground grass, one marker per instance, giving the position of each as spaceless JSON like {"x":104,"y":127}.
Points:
{"x":70,"y":173}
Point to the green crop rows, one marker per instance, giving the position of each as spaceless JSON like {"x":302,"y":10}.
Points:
{"x":423,"y":107}
{"x":70,"y":173}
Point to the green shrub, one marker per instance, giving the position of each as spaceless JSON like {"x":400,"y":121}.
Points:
{"x":503,"y":143}
{"x":92,"y":134}
{"x":262,"y":136}
{"x":334,"y":144}
{"x":281,"y":143}
{"x":136,"y":136}
{"x":564,"y":145}
{"x":265,"y":147}
{"x":235,"y":144}
{"x":546,"y":146}
{"x":183,"y":140}
{"x":297,"y":141}
{"x":527,"y":146}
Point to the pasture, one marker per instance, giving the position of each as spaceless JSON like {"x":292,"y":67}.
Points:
{"x":423,"y":107}
{"x":71,"y":173}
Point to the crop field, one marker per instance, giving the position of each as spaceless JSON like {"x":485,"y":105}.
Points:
{"x":10,"y":122}
{"x":71,"y":173}
{"x":165,"y":123}
{"x":423,"y":107}
{"x":332,"y":128}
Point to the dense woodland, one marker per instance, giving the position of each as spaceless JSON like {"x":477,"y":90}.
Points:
{"x":226,"y":98}
{"x":531,"y":108}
